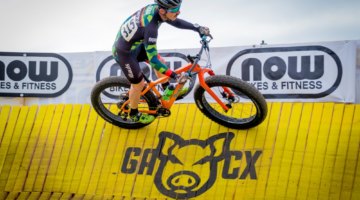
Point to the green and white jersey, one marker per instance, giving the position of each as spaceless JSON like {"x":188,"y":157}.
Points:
{"x":142,"y":28}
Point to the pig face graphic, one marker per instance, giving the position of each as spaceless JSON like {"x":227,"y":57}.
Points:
{"x":188,"y":168}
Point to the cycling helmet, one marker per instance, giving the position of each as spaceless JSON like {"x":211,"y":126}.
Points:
{"x":168,"y":4}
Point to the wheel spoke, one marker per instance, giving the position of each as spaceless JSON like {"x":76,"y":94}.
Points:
{"x":247,"y":107}
{"x":239,"y":111}
{"x":110,"y":95}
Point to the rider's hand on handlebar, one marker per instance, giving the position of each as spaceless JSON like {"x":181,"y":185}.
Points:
{"x":203,"y":30}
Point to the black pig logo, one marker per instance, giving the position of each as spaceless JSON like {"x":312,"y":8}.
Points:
{"x":188,"y":179}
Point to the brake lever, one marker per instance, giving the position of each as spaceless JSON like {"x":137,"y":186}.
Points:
{"x":190,"y":58}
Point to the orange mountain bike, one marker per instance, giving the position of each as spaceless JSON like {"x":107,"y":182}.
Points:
{"x":226,"y":100}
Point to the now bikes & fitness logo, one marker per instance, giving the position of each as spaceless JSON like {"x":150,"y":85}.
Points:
{"x":34,"y":74}
{"x":289,"y":72}
{"x":188,"y":168}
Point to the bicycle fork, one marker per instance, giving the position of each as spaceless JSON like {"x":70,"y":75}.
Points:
{"x":203,"y":84}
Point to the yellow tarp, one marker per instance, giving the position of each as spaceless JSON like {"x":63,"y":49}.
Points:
{"x":301,"y":151}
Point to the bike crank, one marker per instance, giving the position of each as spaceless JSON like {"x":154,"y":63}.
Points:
{"x":163,"y":112}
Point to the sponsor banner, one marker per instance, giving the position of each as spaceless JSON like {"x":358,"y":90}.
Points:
{"x":34,"y":74}
{"x":298,"y":72}
{"x":315,"y":72}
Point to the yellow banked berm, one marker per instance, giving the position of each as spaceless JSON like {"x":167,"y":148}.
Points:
{"x":300,"y":151}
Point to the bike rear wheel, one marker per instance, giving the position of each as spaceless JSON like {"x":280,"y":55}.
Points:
{"x":247,"y":109}
{"x":109,"y":94}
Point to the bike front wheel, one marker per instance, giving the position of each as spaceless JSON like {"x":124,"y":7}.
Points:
{"x":247,"y":107}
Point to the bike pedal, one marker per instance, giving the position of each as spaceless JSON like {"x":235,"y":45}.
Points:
{"x":228,"y":105}
{"x":119,"y":104}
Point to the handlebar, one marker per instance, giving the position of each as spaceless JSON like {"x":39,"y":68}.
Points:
{"x":204,"y":41}
{"x":204,"y":46}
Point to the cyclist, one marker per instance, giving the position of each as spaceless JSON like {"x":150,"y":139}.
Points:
{"x":136,"y":42}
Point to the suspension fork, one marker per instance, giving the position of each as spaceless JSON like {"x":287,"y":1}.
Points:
{"x":208,"y":89}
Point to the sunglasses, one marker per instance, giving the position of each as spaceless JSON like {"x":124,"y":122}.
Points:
{"x":174,"y":10}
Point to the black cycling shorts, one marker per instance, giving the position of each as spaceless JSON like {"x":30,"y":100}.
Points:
{"x":129,"y":63}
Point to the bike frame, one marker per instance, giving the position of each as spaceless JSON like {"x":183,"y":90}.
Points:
{"x":190,"y":68}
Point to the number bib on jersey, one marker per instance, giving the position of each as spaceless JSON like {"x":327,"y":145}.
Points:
{"x":129,"y":28}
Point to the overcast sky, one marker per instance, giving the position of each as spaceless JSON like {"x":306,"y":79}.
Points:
{"x":91,"y":25}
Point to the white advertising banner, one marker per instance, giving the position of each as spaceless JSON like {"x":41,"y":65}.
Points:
{"x":315,"y":72}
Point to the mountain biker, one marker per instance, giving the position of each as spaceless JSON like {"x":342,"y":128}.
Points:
{"x":136,"y":42}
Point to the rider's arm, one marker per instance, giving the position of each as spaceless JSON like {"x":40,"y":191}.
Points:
{"x":179,"y":23}
{"x":150,"y":38}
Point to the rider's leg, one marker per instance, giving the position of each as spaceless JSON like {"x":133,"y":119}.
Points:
{"x":131,"y":69}
{"x":134,"y":98}
{"x":135,"y":93}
